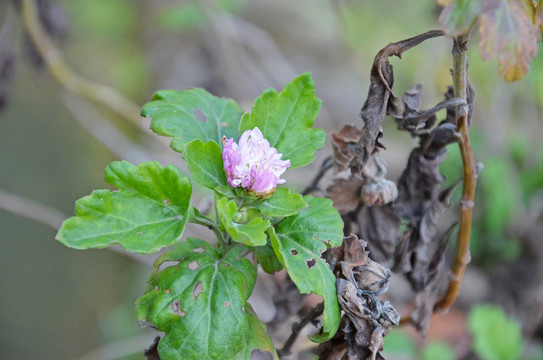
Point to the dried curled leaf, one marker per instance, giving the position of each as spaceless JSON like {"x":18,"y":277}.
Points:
{"x":412,"y":257}
{"x":367,"y":320}
{"x":508,"y":33}
{"x":343,"y":144}
{"x":345,"y":193}
{"x":426,"y":298}
{"x":381,"y":98}
{"x":380,"y":192}
{"x":380,"y":226}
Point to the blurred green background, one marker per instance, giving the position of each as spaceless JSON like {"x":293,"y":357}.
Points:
{"x":58,"y":303}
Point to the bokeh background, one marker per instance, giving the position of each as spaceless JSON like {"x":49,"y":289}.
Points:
{"x":58,"y":303}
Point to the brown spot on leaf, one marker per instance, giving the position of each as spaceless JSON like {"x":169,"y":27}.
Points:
{"x":199,"y":250}
{"x":176,"y":308}
{"x":198,"y":288}
{"x":310,"y":263}
{"x":293,"y":252}
{"x":168,"y":291}
{"x":140,"y":233}
{"x":200,"y":115}
{"x":227,"y":303}
{"x":194,"y":265}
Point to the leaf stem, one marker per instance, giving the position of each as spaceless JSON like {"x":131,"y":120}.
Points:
{"x":197,"y":217}
{"x":463,"y":256}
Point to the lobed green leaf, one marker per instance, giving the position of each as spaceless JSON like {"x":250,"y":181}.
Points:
{"x":205,"y":163}
{"x":298,"y":242}
{"x":148,"y":212}
{"x":201,"y":304}
{"x":286,"y":120}
{"x":251,"y":233}
{"x":257,"y":338}
{"x":175,"y":114}
{"x":281,"y":203}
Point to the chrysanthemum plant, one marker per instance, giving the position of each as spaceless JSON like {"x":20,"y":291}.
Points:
{"x":198,"y":292}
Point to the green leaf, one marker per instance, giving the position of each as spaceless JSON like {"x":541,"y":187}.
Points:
{"x":298,"y":242}
{"x":267,"y":258}
{"x":286,"y":120}
{"x":500,"y":202}
{"x":257,"y":338}
{"x":281,"y":203}
{"x":182,"y":250}
{"x":229,"y":191}
{"x":508,"y":33}
{"x":148,"y":212}
{"x":251,"y":233}
{"x":205,"y":163}
{"x":438,"y":350}
{"x":200,"y":303}
{"x":397,"y":342}
{"x":459,"y":15}
{"x":495,"y":336}
{"x":174,"y":114}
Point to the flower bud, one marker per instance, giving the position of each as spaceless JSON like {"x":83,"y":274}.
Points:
{"x":379,"y":193}
{"x":253,"y":164}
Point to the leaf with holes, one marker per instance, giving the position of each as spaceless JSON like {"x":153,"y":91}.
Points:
{"x":281,"y":203}
{"x":257,"y":340}
{"x":205,"y":163}
{"x":508,"y":34}
{"x":200,"y":303}
{"x":298,"y":242}
{"x":192,"y":114}
{"x":286,"y":120}
{"x":246,"y":231}
{"x":148,"y":212}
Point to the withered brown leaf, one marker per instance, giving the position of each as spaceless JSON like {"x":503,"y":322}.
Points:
{"x":366,"y":320}
{"x":381,"y":98}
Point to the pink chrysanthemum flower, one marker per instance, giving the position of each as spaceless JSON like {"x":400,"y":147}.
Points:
{"x":253,"y":164}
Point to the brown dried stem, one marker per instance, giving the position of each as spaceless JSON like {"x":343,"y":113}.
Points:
{"x":297,"y":328}
{"x":103,"y":95}
{"x":462,"y":257}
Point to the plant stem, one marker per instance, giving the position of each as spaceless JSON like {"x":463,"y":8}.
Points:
{"x":462,"y":257}
{"x":197,"y":217}
{"x":103,"y":95}
{"x":297,"y":327}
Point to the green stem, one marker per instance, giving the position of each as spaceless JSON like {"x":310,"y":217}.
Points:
{"x":197,"y":217}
